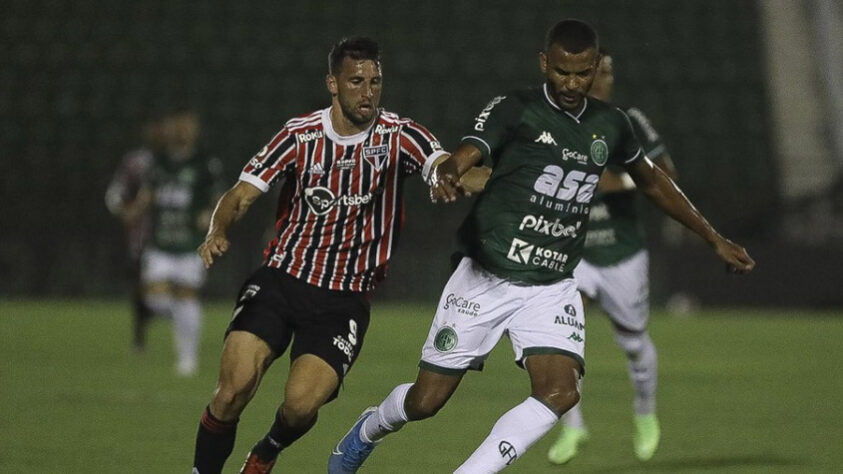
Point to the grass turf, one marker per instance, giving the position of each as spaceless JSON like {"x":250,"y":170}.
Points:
{"x":740,"y":391}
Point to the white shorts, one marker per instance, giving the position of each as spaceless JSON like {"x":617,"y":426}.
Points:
{"x":622,"y":290}
{"x":477,"y":308}
{"x":182,"y":269}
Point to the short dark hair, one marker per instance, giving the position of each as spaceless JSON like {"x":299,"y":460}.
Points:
{"x":575,"y":36}
{"x":356,"y":47}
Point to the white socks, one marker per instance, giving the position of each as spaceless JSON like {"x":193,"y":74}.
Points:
{"x":642,"y":369}
{"x":389,"y":417}
{"x":510,"y":438}
{"x":187,"y":319}
{"x":573,"y":417}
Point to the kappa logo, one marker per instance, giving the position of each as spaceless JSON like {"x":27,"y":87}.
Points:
{"x":575,"y":337}
{"x":545,"y":138}
{"x":376,"y":155}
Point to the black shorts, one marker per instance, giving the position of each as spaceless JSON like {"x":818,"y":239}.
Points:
{"x":280,"y":308}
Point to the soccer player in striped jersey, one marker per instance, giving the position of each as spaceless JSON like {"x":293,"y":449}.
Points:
{"x":522,"y":239}
{"x":342,"y":171}
{"x":614,"y":272}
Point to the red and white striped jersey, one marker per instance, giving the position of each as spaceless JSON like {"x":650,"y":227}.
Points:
{"x":341,"y":206}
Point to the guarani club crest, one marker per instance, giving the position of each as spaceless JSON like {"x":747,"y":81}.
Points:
{"x":599,"y":150}
{"x":445,"y":340}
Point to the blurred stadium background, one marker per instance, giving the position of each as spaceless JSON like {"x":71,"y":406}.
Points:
{"x":748,"y":95}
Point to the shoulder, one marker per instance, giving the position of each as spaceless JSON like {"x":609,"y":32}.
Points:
{"x":642,"y":122}
{"x":308,"y":120}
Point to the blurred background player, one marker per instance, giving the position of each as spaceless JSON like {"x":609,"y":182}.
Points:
{"x":614,"y":272}
{"x":178,"y":191}
{"x":121,"y":198}
{"x":341,"y":208}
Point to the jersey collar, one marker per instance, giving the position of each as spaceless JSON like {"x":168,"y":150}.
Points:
{"x":344,"y":139}
{"x":569,"y":114}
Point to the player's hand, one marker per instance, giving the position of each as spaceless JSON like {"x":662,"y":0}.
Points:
{"x":213,"y":246}
{"x":736,"y":258}
{"x":445,"y":184}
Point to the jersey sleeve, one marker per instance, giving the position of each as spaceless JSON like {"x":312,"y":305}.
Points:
{"x":418,"y":149}
{"x":628,"y":149}
{"x":277,"y":158}
{"x":649,"y":138}
{"x":495,"y":124}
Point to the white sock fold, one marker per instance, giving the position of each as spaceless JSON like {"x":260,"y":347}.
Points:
{"x":187,"y":319}
{"x":573,"y":417}
{"x":389,"y":417}
{"x":642,"y":369}
{"x":512,"y":435}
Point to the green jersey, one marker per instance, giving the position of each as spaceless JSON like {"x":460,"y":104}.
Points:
{"x":615,"y":232}
{"x":529,"y":223}
{"x":181,"y":191}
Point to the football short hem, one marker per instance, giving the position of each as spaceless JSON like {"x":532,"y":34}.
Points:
{"x":441,"y":370}
{"x":552,"y":350}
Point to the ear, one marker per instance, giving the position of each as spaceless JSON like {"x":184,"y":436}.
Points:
{"x":331,"y":83}
{"x":543,"y":62}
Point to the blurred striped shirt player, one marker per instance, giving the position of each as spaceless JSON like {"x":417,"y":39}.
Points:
{"x":341,"y":208}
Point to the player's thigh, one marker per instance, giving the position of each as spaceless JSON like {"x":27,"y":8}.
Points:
{"x":329,"y":325}
{"x":264,"y":310}
{"x":310,"y":384}
{"x":551,"y":320}
{"x":470,"y":319}
{"x":188,"y":272}
{"x":626,"y":293}
{"x":156,"y":266}
{"x":245,"y":358}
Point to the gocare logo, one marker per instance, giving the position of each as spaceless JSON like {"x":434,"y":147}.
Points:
{"x":568,"y":154}
{"x":526,"y":253}
{"x":462,"y":305}
{"x":321,"y":200}
{"x":543,"y":226}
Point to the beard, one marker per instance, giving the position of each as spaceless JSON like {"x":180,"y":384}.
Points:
{"x":357,"y":116}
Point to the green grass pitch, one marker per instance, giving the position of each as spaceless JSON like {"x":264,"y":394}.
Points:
{"x":740,"y":391}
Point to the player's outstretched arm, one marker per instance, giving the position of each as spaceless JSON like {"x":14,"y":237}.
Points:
{"x":230,"y":208}
{"x":664,"y":193}
{"x":445,"y":183}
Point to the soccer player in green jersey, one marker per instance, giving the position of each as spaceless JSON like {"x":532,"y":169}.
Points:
{"x":614,"y":272}
{"x":179,"y":189}
{"x":522,"y":240}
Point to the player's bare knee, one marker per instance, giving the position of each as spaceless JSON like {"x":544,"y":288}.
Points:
{"x":299,"y":412}
{"x":422,"y":404}
{"x":560,"y":398}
